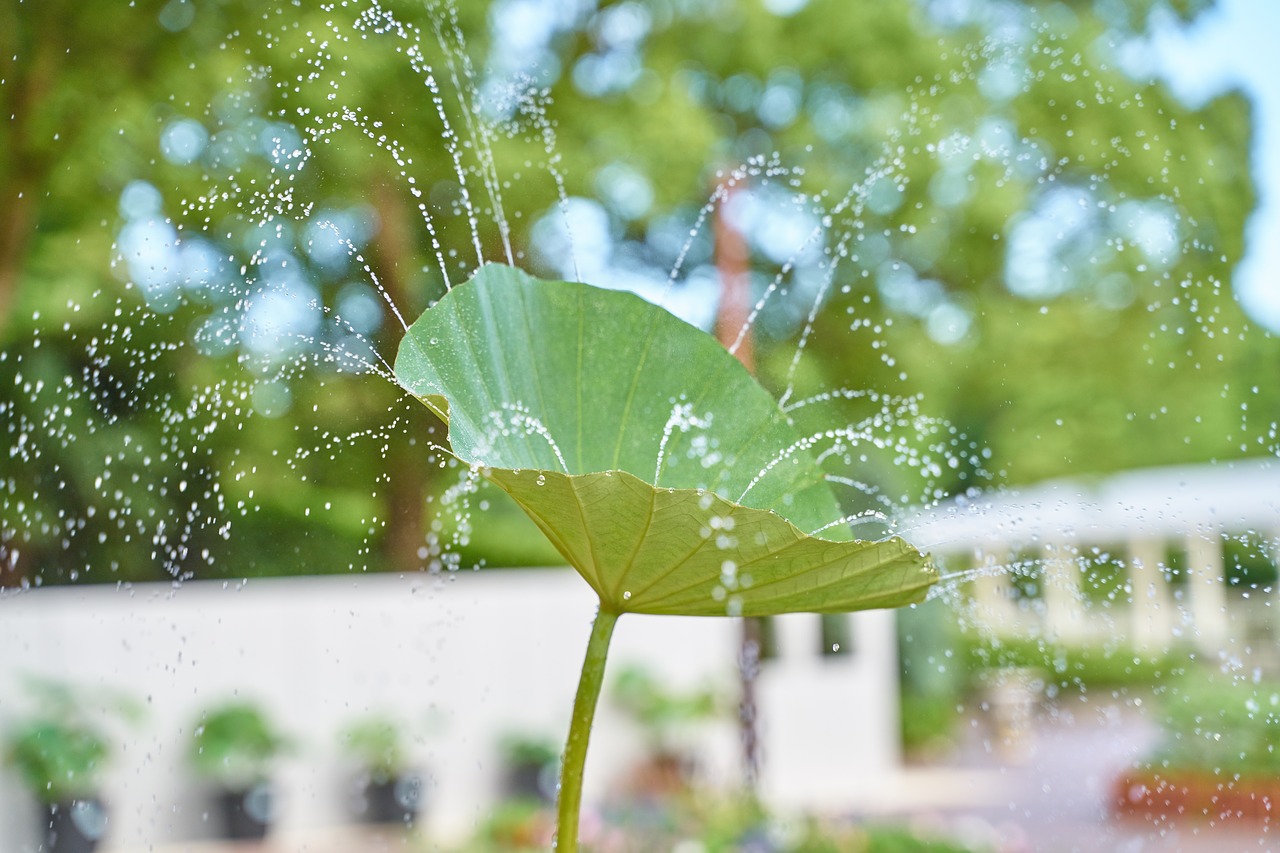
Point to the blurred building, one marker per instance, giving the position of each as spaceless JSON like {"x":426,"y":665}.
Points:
{"x":1139,"y":558}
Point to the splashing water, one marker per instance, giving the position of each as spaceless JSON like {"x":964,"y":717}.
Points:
{"x":251,"y":315}
{"x":683,"y":419}
{"x":979,"y":272}
{"x":516,"y":416}
{"x":282,"y":282}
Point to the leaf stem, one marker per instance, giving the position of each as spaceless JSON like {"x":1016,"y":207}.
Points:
{"x":575,"y":748}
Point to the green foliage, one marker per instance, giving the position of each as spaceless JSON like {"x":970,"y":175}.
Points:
{"x":1076,"y":667}
{"x":934,"y":679}
{"x":57,"y":759}
{"x":62,"y":749}
{"x":658,"y":710}
{"x":943,"y":665}
{"x":379,"y":745}
{"x":1079,"y":388}
{"x":522,"y":748}
{"x":927,"y":721}
{"x":1222,"y":725}
{"x":236,"y":745}
{"x":719,"y":824}
{"x":884,"y":839}
{"x":873,"y":839}
{"x":1249,"y":562}
{"x":1113,"y":370}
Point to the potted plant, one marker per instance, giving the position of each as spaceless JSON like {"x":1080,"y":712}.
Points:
{"x":235,"y":746}
{"x":663,"y":715}
{"x":389,"y":791}
{"x":530,"y":764}
{"x":60,"y":751}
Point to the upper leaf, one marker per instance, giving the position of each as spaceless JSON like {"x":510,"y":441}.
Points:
{"x":553,"y":385}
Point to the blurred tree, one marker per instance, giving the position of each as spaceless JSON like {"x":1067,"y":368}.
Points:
{"x":1031,"y":235}
{"x":995,"y":215}
{"x":71,"y":81}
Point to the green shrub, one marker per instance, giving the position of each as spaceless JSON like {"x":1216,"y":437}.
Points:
{"x":376,"y":742}
{"x":1221,"y":725}
{"x":521,"y":748}
{"x":235,"y":745}
{"x":1075,"y":667}
{"x":58,"y":760}
{"x":872,"y":839}
{"x":660,"y":711}
{"x":63,"y":747}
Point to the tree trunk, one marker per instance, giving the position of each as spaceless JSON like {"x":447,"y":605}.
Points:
{"x":733,"y":263}
{"x":17,"y":220}
{"x":408,"y":474}
{"x":22,"y":169}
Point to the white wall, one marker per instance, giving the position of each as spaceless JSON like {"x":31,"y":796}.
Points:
{"x":484,"y":652}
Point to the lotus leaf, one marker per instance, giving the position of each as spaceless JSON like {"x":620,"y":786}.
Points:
{"x":645,"y":452}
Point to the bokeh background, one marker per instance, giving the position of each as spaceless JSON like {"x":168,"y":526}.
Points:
{"x":1048,"y":229}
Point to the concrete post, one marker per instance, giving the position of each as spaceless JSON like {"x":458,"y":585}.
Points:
{"x":1151,"y":605}
{"x":993,"y":595}
{"x":1207,"y":590}
{"x":1063,"y":607}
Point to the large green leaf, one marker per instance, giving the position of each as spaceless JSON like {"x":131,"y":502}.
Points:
{"x":644,"y":451}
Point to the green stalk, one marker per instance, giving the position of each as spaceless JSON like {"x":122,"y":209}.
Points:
{"x":575,"y":748}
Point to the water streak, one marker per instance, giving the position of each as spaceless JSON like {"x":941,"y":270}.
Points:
{"x":869,"y":516}
{"x":804,"y":444}
{"x":518,"y":416}
{"x":682,"y":418}
{"x":384,"y":21}
{"x":478,"y":128}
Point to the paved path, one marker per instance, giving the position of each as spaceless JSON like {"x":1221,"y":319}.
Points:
{"x":1050,"y":790}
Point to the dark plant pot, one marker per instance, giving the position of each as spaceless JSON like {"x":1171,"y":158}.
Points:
{"x":394,"y":800}
{"x":247,"y":813}
{"x":531,"y":781}
{"x":74,"y":826}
